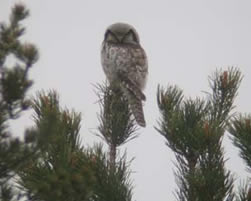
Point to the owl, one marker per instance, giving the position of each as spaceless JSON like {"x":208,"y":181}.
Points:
{"x":125,"y":65}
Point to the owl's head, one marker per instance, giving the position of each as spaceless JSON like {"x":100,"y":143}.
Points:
{"x":121,"y":33}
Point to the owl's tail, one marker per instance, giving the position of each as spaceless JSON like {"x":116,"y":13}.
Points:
{"x":137,"y":110}
{"x":136,"y":106}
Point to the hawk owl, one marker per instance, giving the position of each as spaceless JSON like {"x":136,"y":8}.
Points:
{"x":124,"y":62}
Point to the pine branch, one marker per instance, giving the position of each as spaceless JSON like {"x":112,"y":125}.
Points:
{"x":193,"y":130}
{"x":112,"y":182}
{"x":74,"y":172}
{"x":61,"y":163}
{"x":116,"y":125}
{"x":14,"y":84}
{"x":240,"y":129}
{"x":224,"y":87}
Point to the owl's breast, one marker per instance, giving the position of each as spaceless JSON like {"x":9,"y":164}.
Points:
{"x":115,"y":58}
{"x":128,"y":59}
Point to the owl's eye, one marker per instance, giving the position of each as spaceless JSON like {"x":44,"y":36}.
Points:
{"x":130,"y":37}
{"x":111,"y":37}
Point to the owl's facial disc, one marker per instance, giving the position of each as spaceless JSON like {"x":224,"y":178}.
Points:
{"x":121,"y":37}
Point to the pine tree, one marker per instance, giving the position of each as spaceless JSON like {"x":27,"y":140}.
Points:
{"x":240,"y":130}
{"x":193,"y":130}
{"x":62,"y":170}
{"x":14,"y":84}
{"x":64,"y":165}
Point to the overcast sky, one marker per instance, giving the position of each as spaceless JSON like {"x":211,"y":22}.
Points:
{"x":185,"y":42}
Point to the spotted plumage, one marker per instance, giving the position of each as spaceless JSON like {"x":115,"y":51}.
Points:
{"x":125,"y":64}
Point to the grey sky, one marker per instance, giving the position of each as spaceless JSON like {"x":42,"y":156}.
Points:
{"x":185,"y":42}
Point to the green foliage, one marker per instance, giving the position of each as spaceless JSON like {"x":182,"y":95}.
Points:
{"x":194,"y":130}
{"x":240,"y":129}
{"x":116,"y":125}
{"x":224,"y":86}
{"x":14,"y":80}
{"x":14,"y":84}
{"x":50,"y":120}
{"x":112,"y":182}
{"x":62,"y":164}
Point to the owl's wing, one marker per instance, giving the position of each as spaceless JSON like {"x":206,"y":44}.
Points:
{"x":134,"y":96}
{"x":133,"y":81}
{"x":132,"y":87}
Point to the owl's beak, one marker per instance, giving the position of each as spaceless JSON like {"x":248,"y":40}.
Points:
{"x":120,"y":37}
